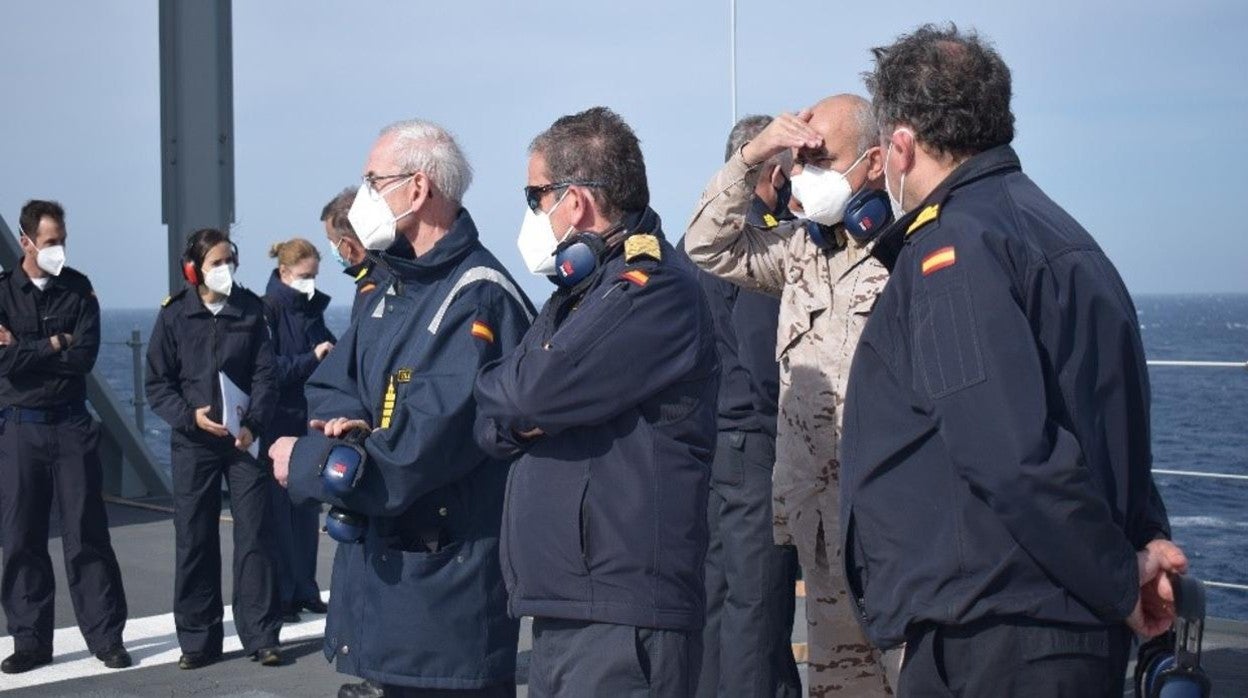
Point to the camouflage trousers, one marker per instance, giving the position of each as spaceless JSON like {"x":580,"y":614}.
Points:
{"x":840,"y":659}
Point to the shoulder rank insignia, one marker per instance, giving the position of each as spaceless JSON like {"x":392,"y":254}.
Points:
{"x":770,"y":221}
{"x":480,"y":330}
{"x":403,"y":375}
{"x":166,"y":301}
{"x":925,"y":216}
{"x":934,"y":262}
{"x":636,"y":276}
{"x":642,"y":245}
{"x":363,"y":272}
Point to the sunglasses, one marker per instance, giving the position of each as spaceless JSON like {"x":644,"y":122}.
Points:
{"x":533,"y":194}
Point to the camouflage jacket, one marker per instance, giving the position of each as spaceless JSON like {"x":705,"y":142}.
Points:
{"x":825,"y":300}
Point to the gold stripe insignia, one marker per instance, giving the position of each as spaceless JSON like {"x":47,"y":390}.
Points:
{"x":480,"y":330}
{"x":940,"y":259}
{"x":642,"y":245}
{"x":770,"y":220}
{"x":387,"y":404}
{"x":363,"y":272}
{"x":925,"y":216}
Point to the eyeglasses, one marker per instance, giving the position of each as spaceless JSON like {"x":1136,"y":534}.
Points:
{"x":373,"y":179}
{"x":533,"y":194}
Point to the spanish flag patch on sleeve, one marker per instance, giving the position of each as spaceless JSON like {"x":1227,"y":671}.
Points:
{"x":636,"y":276}
{"x":934,"y":262}
{"x":480,"y":330}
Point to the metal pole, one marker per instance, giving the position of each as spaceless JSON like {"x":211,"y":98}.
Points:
{"x":136,"y":351}
{"x":732,"y":53}
{"x":1202,"y":364}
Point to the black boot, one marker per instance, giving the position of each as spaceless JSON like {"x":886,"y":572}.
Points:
{"x":23,"y":661}
{"x":267,"y":656}
{"x":115,"y":657}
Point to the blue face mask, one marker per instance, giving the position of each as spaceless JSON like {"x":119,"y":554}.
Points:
{"x":333,"y":251}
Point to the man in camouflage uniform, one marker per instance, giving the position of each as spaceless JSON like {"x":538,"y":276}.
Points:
{"x":826,"y":296}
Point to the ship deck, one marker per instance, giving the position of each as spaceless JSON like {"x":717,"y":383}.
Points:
{"x":143,"y":539}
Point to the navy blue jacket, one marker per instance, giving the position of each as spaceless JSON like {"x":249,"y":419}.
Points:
{"x":368,"y":277}
{"x":32,"y":373}
{"x":297,"y":324}
{"x":745,"y":338}
{"x":997,"y":450}
{"x":606,"y":512}
{"x":420,"y":602}
{"x":189,"y":346}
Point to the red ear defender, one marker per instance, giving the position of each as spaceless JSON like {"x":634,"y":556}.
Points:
{"x":190,"y":273}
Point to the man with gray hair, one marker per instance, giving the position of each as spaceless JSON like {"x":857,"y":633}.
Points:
{"x":747,"y":649}
{"x":827,"y":282}
{"x":418,"y":605}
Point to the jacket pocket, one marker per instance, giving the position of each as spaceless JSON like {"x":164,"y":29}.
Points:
{"x":547,"y":532}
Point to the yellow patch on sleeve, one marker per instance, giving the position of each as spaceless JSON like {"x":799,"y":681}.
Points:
{"x":166,"y":301}
{"x":480,"y":330}
{"x":642,"y":245}
{"x":770,"y":220}
{"x":925,"y":216}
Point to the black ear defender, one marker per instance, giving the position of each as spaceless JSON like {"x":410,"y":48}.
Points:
{"x":867,"y":213}
{"x":1168,"y":666}
{"x":578,"y":257}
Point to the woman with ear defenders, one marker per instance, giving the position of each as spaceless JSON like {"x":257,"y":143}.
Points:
{"x":210,"y":328}
{"x":295,"y":311}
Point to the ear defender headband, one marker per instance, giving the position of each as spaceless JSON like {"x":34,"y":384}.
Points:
{"x":191,"y":265}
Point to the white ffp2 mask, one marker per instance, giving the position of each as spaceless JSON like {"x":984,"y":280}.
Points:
{"x":823,"y":193}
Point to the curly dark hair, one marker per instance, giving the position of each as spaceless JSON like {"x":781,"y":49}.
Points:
{"x":596,"y":145}
{"x":951,"y":87}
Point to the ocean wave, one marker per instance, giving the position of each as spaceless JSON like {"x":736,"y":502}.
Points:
{"x":1206,"y":522}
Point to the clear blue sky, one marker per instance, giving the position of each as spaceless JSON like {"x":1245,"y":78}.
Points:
{"x":1130,"y":114}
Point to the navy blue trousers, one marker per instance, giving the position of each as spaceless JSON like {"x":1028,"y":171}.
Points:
{"x":574,"y":659}
{"x":296,"y":535}
{"x":40,"y":463}
{"x":1016,"y":657}
{"x":747,"y":645}
{"x":197,"y":606}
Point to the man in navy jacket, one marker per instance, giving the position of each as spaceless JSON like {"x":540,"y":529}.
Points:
{"x":998,"y":511}
{"x":419,"y":603}
{"x":610,"y":403}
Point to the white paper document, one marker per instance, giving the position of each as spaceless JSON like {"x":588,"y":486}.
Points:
{"x":234,"y":404}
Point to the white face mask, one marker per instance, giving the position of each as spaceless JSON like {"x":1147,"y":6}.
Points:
{"x":51,"y":259}
{"x":898,"y":202}
{"x":220,"y":279}
{"x":824,"y":193}
{"x":371,"y":217}
{"x":305,"y":286}
{"x":537,"y":241}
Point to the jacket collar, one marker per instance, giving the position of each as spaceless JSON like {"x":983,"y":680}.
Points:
{"x":458,"y":242}
{"x":24,"y":281}
{"x":192,"y":305}
{"x":287,"y":297}
{"x":991,"y":162}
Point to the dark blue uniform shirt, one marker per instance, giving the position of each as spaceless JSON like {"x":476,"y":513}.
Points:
{"x":606,"y":511}
{"x":997,"y":454}
{"x":189,"y":346}
{"x":32,"y":373}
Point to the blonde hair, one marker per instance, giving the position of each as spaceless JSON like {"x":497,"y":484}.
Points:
{"x":293,"y":251}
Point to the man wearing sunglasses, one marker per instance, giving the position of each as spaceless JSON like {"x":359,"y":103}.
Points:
{"x":608,"y":405}
{"x":827,"y":283}
{"x":417,"y":605}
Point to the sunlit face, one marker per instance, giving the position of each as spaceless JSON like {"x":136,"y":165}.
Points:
{"x":838,"y":152}
{"x":306,"y":268}
{"x":48,"y":233}
{"x":220,"y":254}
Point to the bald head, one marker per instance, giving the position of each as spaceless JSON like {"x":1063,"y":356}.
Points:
{"x":846,"y":117}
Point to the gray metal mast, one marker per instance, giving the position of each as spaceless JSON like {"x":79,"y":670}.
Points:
{"x":196,"y":121}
